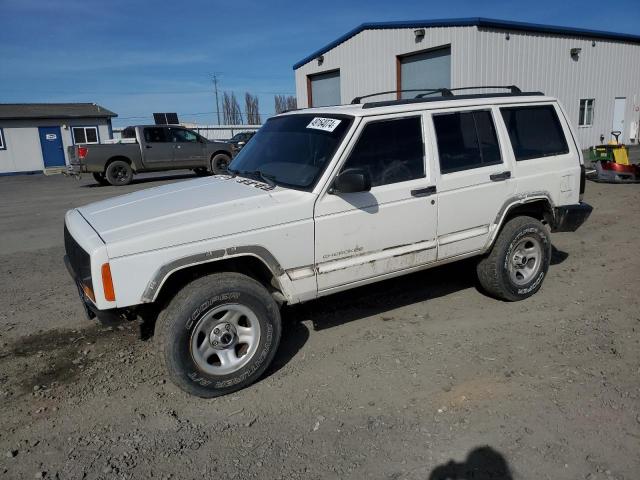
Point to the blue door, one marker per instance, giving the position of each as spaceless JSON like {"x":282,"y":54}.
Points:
{"x":51,"y":143}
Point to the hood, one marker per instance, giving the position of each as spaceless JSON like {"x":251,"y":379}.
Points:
{"x":191,"y":211}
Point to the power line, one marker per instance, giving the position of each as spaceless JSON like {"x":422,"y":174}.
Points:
{"x":193,"y":114}
{"x":215,"y":86}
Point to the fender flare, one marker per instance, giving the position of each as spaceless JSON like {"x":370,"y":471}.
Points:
{"x":516,"y":201}
{"x":165,"y":271}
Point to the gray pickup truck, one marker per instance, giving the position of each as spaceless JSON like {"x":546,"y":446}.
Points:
{"x":149,"y":148}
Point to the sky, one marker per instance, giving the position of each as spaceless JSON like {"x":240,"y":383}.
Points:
{"x":136,"y":57}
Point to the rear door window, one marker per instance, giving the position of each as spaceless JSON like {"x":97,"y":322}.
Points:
{"x":466,"y":140}
{"x":534,"y":131}
{"x":156,"y":135}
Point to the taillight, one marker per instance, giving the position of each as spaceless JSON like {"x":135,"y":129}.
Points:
{"x":82,"y":152}
{"x":107,"y":283}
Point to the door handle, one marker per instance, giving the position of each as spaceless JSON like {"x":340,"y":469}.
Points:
{"x":424,"y":192}
{"x":498,"y":177}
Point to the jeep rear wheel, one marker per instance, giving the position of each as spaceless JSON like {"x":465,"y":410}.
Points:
{"x":518,"y":262}
{"x":218,"y":334}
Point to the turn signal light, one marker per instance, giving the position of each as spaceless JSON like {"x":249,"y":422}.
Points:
{"x":89,"y":293}
{"x":107,"y":283}
{"x":82,"y":152}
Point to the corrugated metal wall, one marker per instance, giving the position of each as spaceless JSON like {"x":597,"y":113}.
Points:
{"x":479,"y":56}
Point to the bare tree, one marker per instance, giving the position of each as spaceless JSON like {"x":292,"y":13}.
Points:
{"x":231,"y":113}
{"x":284,"y":103}
{"x":280,"y":103}
{"x":252,"y":110}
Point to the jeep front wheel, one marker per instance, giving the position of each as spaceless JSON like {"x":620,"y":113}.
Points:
{"x":518,"y":261}
{"x":218,"y":334}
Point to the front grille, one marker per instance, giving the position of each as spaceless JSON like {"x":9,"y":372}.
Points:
{"x":79,"y":259}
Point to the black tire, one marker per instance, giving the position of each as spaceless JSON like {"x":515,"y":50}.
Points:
{"x":506,"y":272}
{"x":178,"y":325}
{"x":99,"y":177}
{"x":119,"y":173}
{"x":219,"y":164}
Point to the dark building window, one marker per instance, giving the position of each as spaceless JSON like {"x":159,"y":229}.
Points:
{"x":84,"y":135}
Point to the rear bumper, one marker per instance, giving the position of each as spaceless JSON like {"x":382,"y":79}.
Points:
{"x":76,"y":169}
{"x":568,"y":218}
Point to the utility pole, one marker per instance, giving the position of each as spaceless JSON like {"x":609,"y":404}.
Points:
{"x":215,"y":87}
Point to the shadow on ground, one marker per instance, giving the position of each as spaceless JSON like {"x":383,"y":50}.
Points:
{"x":482,"y":463}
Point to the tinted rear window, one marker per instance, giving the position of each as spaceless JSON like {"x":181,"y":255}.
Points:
{"x":534,"y":131}
{"x":466,"y":140}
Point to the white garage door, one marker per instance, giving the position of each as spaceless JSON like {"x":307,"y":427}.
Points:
{"x":325,"y":89}
{"x":431,"y":69}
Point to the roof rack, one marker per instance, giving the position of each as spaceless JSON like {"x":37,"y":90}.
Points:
{"x":426,"y":91}
{"x":511,"y":88}
{"x":425,"y":99}
{"x":445,"y":92}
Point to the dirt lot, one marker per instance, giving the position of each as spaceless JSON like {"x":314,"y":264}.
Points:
{"x":415,"y":378}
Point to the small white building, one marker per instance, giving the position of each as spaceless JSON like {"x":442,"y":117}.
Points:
{"x":595,"y":74}
{"x":34,"y":136}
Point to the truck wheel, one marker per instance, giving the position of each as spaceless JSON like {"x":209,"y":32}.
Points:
{"x":119,"y":173}
{"x":218,"y":334}
{"x":99,"y":177}
{"x":518,"y":261}
{"x":219,"y":164}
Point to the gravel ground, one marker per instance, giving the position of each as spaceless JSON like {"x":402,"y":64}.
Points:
{"x":415,"y":378}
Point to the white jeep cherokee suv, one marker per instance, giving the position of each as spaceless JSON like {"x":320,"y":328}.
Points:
{"x":327,"y":199}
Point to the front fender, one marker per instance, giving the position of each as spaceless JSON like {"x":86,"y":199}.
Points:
{"x":165,"y":271}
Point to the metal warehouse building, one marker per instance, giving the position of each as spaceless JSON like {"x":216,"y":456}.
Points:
{"x":595,"y":74}
{"x":35,"y":136}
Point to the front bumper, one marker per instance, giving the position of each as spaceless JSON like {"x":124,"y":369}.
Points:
{"x":106,"y":317}
{"x":568,"y":218}
{"x":89,"y":308}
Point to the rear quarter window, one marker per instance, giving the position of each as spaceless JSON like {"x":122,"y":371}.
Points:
{"x":534,"y":131}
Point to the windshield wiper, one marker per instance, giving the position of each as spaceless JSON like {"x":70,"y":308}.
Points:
{"x":268,"y":179}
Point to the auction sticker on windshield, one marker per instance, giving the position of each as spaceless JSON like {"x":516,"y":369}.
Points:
{"x":326,"y":124}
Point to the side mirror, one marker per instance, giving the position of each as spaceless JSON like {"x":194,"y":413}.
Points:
{"x":352,"y":180}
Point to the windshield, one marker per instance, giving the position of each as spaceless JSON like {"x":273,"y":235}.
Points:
{"x":292,"y":150}
{"x":238,"y":137}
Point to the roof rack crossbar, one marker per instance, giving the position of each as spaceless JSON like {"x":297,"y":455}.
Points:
{"x":428,"y":91}
{"x":511,"y":88}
